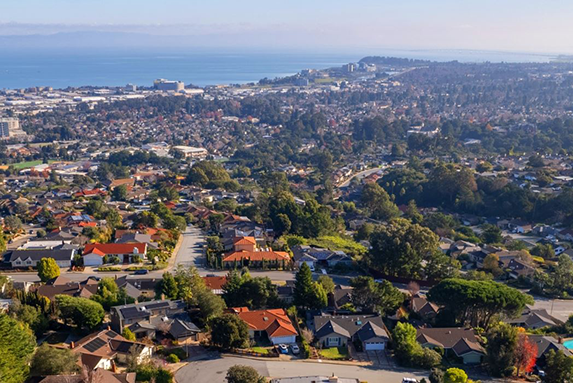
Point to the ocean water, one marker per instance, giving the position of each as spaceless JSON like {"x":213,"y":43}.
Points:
{"x":63,"y":68}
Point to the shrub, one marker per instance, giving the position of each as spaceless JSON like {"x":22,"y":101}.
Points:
{"x":427,"y":358}
{"x":305,"y":349}
{"x":172,"y":358}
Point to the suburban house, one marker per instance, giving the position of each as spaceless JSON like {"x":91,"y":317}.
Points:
{"x":534,"y":319}
{"x":215,"y":283}
{"x":339,"y":297}
{"x":138,"y":287}
{"x":272,"y":324}
{"x":545,"y":344}
{"x":126,"y":315}
{"x":30,"y":258}
{"x":137,"y":238}
{"x":462,"y":342}
{"x":518,"y":268}
{"x":103,"y":349}
{"x":316,"y":256}
{"x":423,"y":307}
{"x":95,"y":252}
{"x":246,"y":253}
{"x":178,"y":326}
{"x":63,"y":286}
{"x":339,"y":330}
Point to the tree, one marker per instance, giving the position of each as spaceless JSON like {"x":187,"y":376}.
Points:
{"x":562,"y":276}
{"x":128,"y":334}
{"x":81,"y":312}
{"x":501,"y":349}
{"x":243,"y":290}
{"x":409,"y":352}
{"x":525,"y":354}
{"x":119,"y":193}
{"x":48,"y":269}
{"x":31,"y":315}
{"x":491,"y":234}
{"x":210,"y":305}
{"x":243,"y":374}
{"x":308,"y":294}
{"x":436,"y":375}
{"x":412,"y":213}
{"x":12,"y":223}
{"x":49,"y":360}
{"x":229,"y":331}
{"x":17,"y":345}
{"x":455,"y":375}
{"x":559,"y":367}
{"x":109,"y":294}
{"x":378,"y":202}
{"x":491,"y":264}
{"x":477,"y":302}
{"x":544,"y":251}
{"x":327,"y":283}
{"x":168,"y":287}
{"x":371,"y":296}
{"x":400,"y":247}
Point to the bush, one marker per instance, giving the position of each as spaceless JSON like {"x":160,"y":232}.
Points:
{"x":428,"y":358}
{"x":305,"y":349}
{"x":178,"y":352}
{"x":172,"y":358}
{"x":109,"y":268}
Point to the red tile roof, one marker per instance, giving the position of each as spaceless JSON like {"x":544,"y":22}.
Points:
{"x":275,"y":322}
{"x":114,"y":248}
{"x":257,"y":256}
{"x":244,"y":241}
{"x":215,"y":283}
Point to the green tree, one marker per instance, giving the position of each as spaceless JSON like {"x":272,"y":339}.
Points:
{"x":371,"y":296}
{"x":501,"y":346}
{"x":31,"y":315}
{"x":491,"y":264}
{"x":210,"y":305}
{"x":559,"y":367}
{"x":491,"y":234}
{"x":477,"y":302}
{"x":168,"y":287}
{"x":48,"y":269}
{"x":128,"y":334}
{"x":327,"y":283}
{"x":400,"y":247}
{"x":378,"y":202}
{"x":80,"y":312}
{"x":119,"y":193}
{"x":243,"y":374}
{"x":229,"y":331}
{"x":307,"y":293}
{"x":109,"y":294}
{"x":406,"y":346}
{"x":544,"y":251}
{"x":12,"y":223}
{"x":49,"y":360}
{"x":455,"y":375}
{"x":17,"y":344}
{"x":412,"y":213}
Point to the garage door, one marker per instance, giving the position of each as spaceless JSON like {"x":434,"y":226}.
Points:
{"x":374,"y":346}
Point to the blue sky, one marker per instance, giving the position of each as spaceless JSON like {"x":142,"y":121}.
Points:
{"x":526,"y":25}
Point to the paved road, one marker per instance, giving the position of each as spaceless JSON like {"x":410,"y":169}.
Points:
{"x":214,"y":370}
{"x":559,"y":308}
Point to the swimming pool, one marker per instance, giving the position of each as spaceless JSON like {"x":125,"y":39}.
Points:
{"x":568,"y":344}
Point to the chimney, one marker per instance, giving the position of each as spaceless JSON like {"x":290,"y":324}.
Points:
{"x":72,"y":345}
{"x":108,"y":327}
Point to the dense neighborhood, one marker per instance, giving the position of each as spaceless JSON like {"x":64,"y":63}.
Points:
{"x":396,"y":216}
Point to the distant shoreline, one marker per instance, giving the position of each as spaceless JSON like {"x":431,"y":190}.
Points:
{"x":61,"y":68}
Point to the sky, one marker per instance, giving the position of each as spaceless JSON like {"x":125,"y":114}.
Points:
{"x":542,"y":26}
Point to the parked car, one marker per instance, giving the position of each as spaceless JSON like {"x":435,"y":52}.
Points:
{"x":409,"y":380}
{"x":294,"y":348}
{"x":141,"y":272}
{"x":283,"y":349}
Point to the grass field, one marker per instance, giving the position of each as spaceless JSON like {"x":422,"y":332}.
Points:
{"x":27,"y":164}
{"x":260,"y":350}
{"x":334,"y":353}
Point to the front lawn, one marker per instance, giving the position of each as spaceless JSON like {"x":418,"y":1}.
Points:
{"x":335,"y":353}
{"x":260,"y":350}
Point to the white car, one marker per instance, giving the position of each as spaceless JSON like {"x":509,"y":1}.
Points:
{"x":409,"y":380}
{"x":294,"y":348}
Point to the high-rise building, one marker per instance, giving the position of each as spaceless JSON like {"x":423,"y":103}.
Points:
{"x":163,"y":84}
{"x":8,"y":125}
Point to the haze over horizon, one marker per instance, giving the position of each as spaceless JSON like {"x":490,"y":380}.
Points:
{"x":514,"y":26}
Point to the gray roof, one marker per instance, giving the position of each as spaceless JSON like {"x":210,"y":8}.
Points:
{"x":36,"y":255}
{"x":364,"y":326}
{"x":546,"y":344}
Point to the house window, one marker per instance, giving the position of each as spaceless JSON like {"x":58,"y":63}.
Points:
{"x":28,"y":262}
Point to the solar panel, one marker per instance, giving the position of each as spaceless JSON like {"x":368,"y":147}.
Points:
{"x":157,"y":305}
{"x":94,"y":345}
{"x":111,"y":334}
{"x":132,"y":312}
